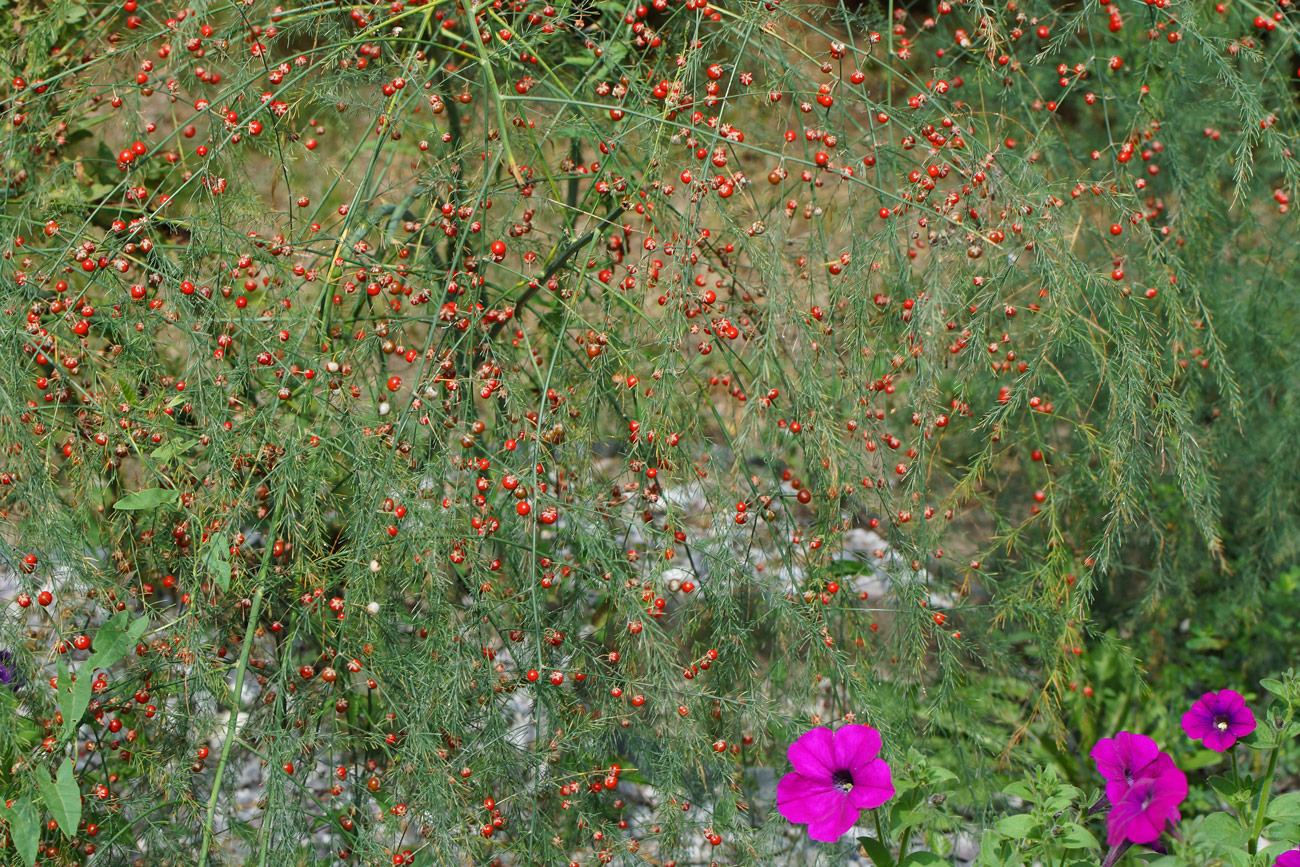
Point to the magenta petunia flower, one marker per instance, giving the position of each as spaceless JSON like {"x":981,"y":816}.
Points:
{"x":1126,"y":758}
{"x":836,"y":776}
{"x":1217,"y":719}
{"x":1289,"y":859}
{"x":1151,"y":803}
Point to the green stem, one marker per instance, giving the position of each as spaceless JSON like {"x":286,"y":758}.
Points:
{"x":1267,"y":786}
{"x":1236,"y":780}
{"x":486,"y":63}
{"x":230,"y":727}
{"x":880,"y":834}
{"x":240,"y":670}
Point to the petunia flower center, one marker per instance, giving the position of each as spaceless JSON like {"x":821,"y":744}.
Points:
{"x":1221,"y":723}
{"x":842,"y":780}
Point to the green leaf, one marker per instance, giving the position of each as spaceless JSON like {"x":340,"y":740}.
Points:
{"x":1264,"y":737}
{"x":1201,"y":759}
{"x":1018,"y":827}
{"x":990,"y":850}
{"x":1226,"y":788}
{"x":1078,"y":837}
{"x":1058,"y":803}
{"x":112,"y":642}
{"x":61,"y":796}
{"x":215,"y":559}
{"x":942,"y":773}
{"x":1236,"y":857}
{"x":69,"y":795}
{"x":1223,"y":828}
{"x":1284,"y":808}
{"x":877,"y":851}
{"x":914,"y":816}
{"x":172,"y":449}
{"x":1288,"y":831}
{"x":149,"y":498}
{"x":1271,"y":851}
{"x":23,"y":829}
{"x":74,"y":12}
{"x":1021,"y":790}
{"x":115,"y":638}
{"x":1277,"y":687}
{"x":920,"y":859}
{"x":74,"y":698}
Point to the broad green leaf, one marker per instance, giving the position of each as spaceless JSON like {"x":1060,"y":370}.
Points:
{"x":1226,"y":788}
{"x":172,"y":449}
{"x":61,"y":796}
{"x":1223,"y":828}
{"x":73,"y":12}
{"x":149,"y":498}
{"x":1271,"y":851}
{"x":877,"y":851}
{"x":69,"y":795}
{"x":1288,"y":831}
{"x":990,"y":852}
{"x":1021,"y":790}
{"x":23,"y":829}
{"x":915,"y":816}
{"x":1236,"y":857}
{"x":942,"y":773}
{"x":1277,"y":687}
{"x":1284,"y":808}
{"x":1200,"y":759}
{"x":1058,"y":803}
{"x":1262,"y":738}
{"x":1078,"y":837}
{"x":1017,"y":827}
{"x":215,"y":559}
{"x":920,"y":859}
{"x":111,"y":643}
{"x":74,"y":698}
{"x":115,"y":638}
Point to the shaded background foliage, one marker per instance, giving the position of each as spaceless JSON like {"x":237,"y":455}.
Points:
{"x":481,"y":399}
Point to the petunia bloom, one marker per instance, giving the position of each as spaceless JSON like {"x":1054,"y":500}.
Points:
{"x":1217,"y":719}
{"x":1290,"y":858}
{"x":836,"y":776}
{"x":1151,"y":803}
{"x":9,"y":674}
{"x":1126,"y":758}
